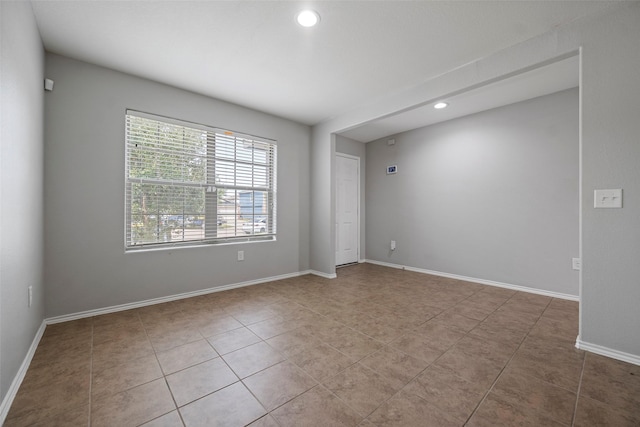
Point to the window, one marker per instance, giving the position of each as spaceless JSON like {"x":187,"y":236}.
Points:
{"x":191,"y":184}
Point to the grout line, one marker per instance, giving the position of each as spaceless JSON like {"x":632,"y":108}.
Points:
{"x":319,"y":382}
{"x":240,"y":380}
{"x":510,"y":359}
{"x":362,"y":417}
{"x":286,"y":359}
{"x":90,"y":376}
{"x":496,"y":380}
{"x":575,"y":409}
{"x":430,"y":364}
{"x":164,"y":376}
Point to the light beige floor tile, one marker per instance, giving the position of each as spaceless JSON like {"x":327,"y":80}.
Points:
{"x":125,"y":375}
{"x":418,"y":346}
{"x":252,"y":359}
{"x":218,"y":325}
{"x":170,"y":337}
{"x":172,"y":419}
{"x":321,"y":361}
{"x":233,"y":406}
{"x":316,"y":404}
{"x":497,"y":411}
{"x":469,"y":367}
{"x":272,"y":327}
{"x":613,"y":382}
{"x":398,"y":367}
{"x":233,"y":340}
{"x":134,"y":406}
{"x":125,"y":317}
{"x":549,"y":360}
{"x":354,"y":344}
{"x":266,"y":421}
{"x":448,"y":392}
{"x":199,"y":380}
{"x":185,"y":356}
{"x":407,"y":410}
{"x":593,"y":413}
{"x":535,"y":395}
{"x":71,"y":417}
{"x":361,"y":388}
{"x":278,"y":384}
{"x":111,"y":353}
{"x":36,"y":403}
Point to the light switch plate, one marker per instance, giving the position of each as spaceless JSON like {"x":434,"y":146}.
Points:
{"x":607,"y":198}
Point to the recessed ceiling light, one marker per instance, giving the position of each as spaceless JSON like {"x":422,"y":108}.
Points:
{"x":440,"y":105}
{"x":308,"y":18}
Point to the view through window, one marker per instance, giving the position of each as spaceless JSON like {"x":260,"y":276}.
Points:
{"x":188,"y":183}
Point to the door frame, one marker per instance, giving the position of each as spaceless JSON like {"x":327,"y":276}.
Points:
{"x":352,"y":157}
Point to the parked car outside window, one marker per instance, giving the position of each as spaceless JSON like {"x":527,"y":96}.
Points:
{"x":258,"y":226}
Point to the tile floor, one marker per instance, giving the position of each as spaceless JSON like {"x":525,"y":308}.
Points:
{"x":374,"y":347}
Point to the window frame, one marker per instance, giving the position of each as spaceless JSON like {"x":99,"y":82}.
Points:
{"x":211,"y":186}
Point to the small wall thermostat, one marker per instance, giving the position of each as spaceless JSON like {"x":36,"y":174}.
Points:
{"x":392,"y":169}
{"x":48,"y":85}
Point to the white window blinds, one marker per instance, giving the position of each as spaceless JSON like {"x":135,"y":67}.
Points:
{"x":188,"y":184}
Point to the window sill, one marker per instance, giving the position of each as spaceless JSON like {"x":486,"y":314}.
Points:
{"x":187,"y":245}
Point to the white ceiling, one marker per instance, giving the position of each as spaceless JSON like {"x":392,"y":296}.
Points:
{"x":254,"y":54}
{"x":529,"y":84}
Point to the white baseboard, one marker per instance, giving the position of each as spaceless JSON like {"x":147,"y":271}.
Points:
{"x":138,"y":304}
{"x":17,"y":380}
{"x":321,"y":274}
{"x":608,"y":352}
{"x":480,"y":281}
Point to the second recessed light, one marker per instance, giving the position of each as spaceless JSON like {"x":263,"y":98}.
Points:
{"x":440,"y":105}
{"x":308,"y":18}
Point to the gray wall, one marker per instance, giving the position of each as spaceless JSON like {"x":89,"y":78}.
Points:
{"x":348,"y":146}
{"x":492,"y":196}
{"x":21,"y":78}
{"x":609,"y":102}
{"x":610,"y":87}
{"x":85,"y":264}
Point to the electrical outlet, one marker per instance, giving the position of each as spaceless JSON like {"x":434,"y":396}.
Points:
{"x":30,"y":290}
{"x":576,"y":263}
{"x":240,"y":255}
{"x":393,"y":245}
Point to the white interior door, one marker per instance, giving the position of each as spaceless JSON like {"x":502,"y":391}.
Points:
{"x":347,"y":207}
